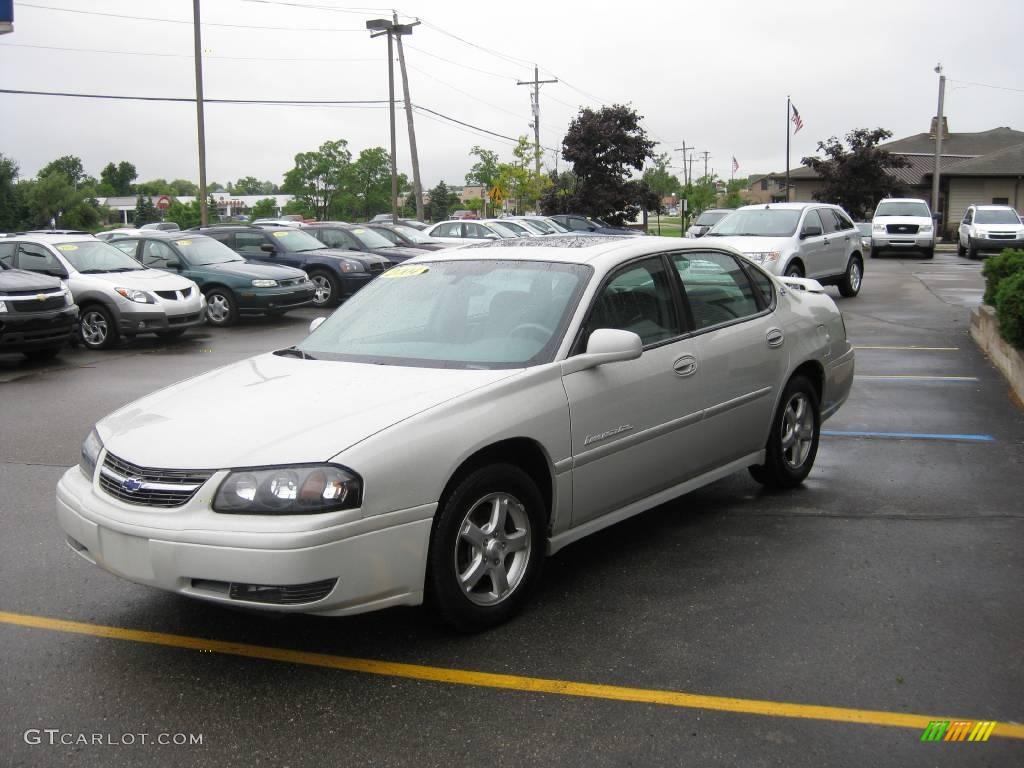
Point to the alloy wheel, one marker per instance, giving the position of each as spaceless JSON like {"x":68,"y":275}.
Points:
{"x":797,"y":430}
{"x":322,"y":289}
{"x":218,"y":310}
{"x":94,"y":328}
{"x":492,"y":550}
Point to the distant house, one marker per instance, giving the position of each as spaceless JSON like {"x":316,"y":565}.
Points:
{"x":985,"y":167}
{"x":765,"y":188}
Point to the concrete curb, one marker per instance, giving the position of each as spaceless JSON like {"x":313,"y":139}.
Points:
{"x":1007,"y":358}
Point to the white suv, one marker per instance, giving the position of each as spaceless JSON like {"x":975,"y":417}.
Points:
{"x":115,"y":293}
{"x":989,"y":228}
{"x":903,"y":224}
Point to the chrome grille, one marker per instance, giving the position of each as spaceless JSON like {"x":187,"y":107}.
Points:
{"x":152,"y":487}
{"x":39,"y":305}
{"x":379,"y":266}
{"x":291,"y":282}
{"x":175,"y":295}
{"x":901,"y":229}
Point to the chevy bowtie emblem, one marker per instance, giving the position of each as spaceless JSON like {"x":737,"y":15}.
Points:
{"x":40,"y":297}
{"x":131,"y":484}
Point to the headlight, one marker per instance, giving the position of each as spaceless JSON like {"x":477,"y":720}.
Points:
{"x":139,"y":297}
{"x":91,"y":448}
{"x":925,"y":228}
{"x":346,"y":265}
{"x":290,"y":490}
{"x":68,"y":299}
{"x":877,"y":227}
{"x":264,"y":283}
{"x":761,"y":257}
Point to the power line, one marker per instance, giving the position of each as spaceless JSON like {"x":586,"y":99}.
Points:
{"x":469,"y":125}
{"x":176,"y":55}
{"x":986,"y":85}
{"x":459,"y":63}
{"x":184,"y":21}
{"x":335,"y":9}
{"x":511,"y":59}
{"x":191,"y":100}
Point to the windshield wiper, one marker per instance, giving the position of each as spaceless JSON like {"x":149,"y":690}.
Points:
{"x":294,"y":352}
{"x":123,"y":269}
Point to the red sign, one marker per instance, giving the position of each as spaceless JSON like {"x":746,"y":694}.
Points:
{"x":163,"y":203}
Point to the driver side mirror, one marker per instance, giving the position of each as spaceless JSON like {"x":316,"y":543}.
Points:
{"x":810,"y":231}
{"x":317,"y":322}
{"x":268,"y":248}
{"x":175,"y":265}
{"x":605,"y":345}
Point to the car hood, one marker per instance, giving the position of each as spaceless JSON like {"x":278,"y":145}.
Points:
{"x":397,"y":253}
{"x":21,"y":280}
{"x":277,"y":410}
{"x":750,"y":244}
{"x":361,"y":256}
{"x":246,"y":269}
{"x":141,"y":279}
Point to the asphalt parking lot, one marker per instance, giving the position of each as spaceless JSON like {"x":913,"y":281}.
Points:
{"x":733,"y":626}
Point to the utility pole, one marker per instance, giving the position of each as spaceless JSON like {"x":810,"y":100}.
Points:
{"x":387,"y":27}
{"x":204,"y":216}
{"x":535,"y":104}
{"x":706,"y":155}
{"x":936,"y":213}
{"x":686,"y":178}
{"x":417,"y":187}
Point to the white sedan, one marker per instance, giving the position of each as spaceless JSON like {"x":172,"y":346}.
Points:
{"x":462,"y":417}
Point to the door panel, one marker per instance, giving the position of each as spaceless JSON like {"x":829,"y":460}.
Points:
{"x":813,"y":250}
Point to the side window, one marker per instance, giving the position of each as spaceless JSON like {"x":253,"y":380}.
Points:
{"x":35,"y":258}
{"x":450,"y":229}
{"x":475,"y":230}
{"x":763,"y":285}
{"x":579,"y":225}
{"x":156,"y":254}
{"x":969,"y":216}
{"x":638,"y":299}
{"x":764,"y":185}
{"x":250,"y":243}
{"x":388,"y":234}
{"x":828,"y":221}
{"x":127,"y":247}
{"x":7,"y":254}
{"x":716,"y":287}
{"x":337,"y":238}
{"x":843,"y":219}
{"x":812,"y":220}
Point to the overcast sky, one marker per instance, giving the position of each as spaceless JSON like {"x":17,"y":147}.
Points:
{"x":714,"y":74}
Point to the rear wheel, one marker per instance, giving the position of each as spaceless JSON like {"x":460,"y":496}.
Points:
{"x":487,"y":548}
{"x":327,"y":288}
{"x":221,"y":308}
{"x":793,"y":442}
{"x":849,"y":283}
{"x":96,"y":327}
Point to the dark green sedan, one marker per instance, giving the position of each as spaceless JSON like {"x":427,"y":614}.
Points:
{"x":232,"y":285}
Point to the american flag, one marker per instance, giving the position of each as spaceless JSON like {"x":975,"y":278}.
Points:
{"x":797,"y":121}
{"x":735,"y":165}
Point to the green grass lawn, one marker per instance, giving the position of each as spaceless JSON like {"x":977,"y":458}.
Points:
{"x":670,"y":226}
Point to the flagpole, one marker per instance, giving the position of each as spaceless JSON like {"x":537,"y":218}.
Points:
{"x":787,"y":149}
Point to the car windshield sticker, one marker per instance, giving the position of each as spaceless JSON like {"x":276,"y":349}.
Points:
{"x":280,"y":234}
{"x":67,"y":247}
{"x":409,"y":271}
{"x":183,"y":242}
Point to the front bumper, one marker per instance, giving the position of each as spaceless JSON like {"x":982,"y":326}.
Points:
{"x":136,"y":318}
{"x":20,"y":331}
{"x":353,"y":281}
{"x":260,"y":300}
{"x":363,"y":563}
{"x":919,"y":242}
{"x":990,"y":244}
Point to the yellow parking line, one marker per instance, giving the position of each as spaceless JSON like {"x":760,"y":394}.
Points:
{"x":915,"y":349}
{"x":507,"y":682}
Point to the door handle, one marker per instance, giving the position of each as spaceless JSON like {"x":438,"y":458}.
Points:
{"x":685,"y":365}
{"x":826,"y":241}
{"x":775,"y":337}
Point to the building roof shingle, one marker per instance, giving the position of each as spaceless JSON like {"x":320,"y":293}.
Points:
{"x":1005,"y":162}
{"x":964,"y":144}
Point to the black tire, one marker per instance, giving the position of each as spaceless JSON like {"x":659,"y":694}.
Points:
{"x":874,"y":253}
{"x":794,"y":270}
{"x":972,"y":252}
{"x":177,"y":333}
{"x":454,"y":556}
{"x":929,"y":253}
{"x":328,"y":289}
{"x":221,"y":307}
{"x":41,"y":355}
{"x":849,"y":284}
{"x":96,"y":327}
{"x":960,"y":250}
{"x":779,"y":469}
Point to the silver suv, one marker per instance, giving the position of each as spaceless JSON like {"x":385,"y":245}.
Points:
{"x":903,"y":224}
{"x":115,"y":293}
{"x":989,"y":228}
{"x":812,"y":240}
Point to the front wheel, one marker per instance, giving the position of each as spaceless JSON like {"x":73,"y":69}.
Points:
{"x":487,"y":548}
{"x":221,"y":308}
{"x":793,"y":442}
{"x":960,"y":250}
{"x":929,"y":253}
{"x":874,"y":253}
{"x":794,"y":270}
{"x":96,"y":328}
{"x":326,"y":288}
{"x":972,"y":252}
{"x":849,"y":284}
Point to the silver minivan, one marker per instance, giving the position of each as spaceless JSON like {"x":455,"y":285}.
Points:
{"x":814,"y":240}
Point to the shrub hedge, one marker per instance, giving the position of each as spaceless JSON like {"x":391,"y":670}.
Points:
{"x":1004,"y":289}
{"x":997,"y":269}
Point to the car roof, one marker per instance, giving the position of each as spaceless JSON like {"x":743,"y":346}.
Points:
{"x":53,"y":239}
{"x":165,"y":234}
{"x":785,"y":206}
{"x":902,"y":200}
{"x":993,"y":207}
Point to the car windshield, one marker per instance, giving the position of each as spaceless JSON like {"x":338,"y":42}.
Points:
{"x":295,"y":241}
{"x":483,"y":314}
{"x":541,"y":226}
{"x":517,"y":228}
{"x":93,"y":256}
{"x":758,"y":222}
{"x":201,"y":251}
{"x":555,"y":225}
{"x":370,"y":238}
{"x":996,"y":216}
{"x":412,"y":234}
{"x":533,"y":228}
{"x":908,"y":208}
{"x":708,"y":218}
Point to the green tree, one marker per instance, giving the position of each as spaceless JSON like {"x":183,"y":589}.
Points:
{"x":248,"y":185}
{"x":318,"y":178}
{"x":264,"y":209}
{"x":183,"y":187}
{"x":560,"y":195}
{"x":12,"y":204}
{"x":605,"y":146}
{"x":370,"y":183}
{"x":117,"y":179}
{"x":185,"y":215}
{"x":69,"y":166}
{"x":442,"y":202}
{"x":485,"y":170}
{"x":154,"y":187}
{"x":299,"y":207}
{"x":858,"y":177}
{"x":660,"y":180}
{"x":54,"y":197}
{"x":145,"y":211}
{"x":215,"y":186}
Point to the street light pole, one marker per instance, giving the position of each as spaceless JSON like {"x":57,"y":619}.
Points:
{"x":936,"y":213}
{"x":388,"y":27}
{"x":204,"y":216}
